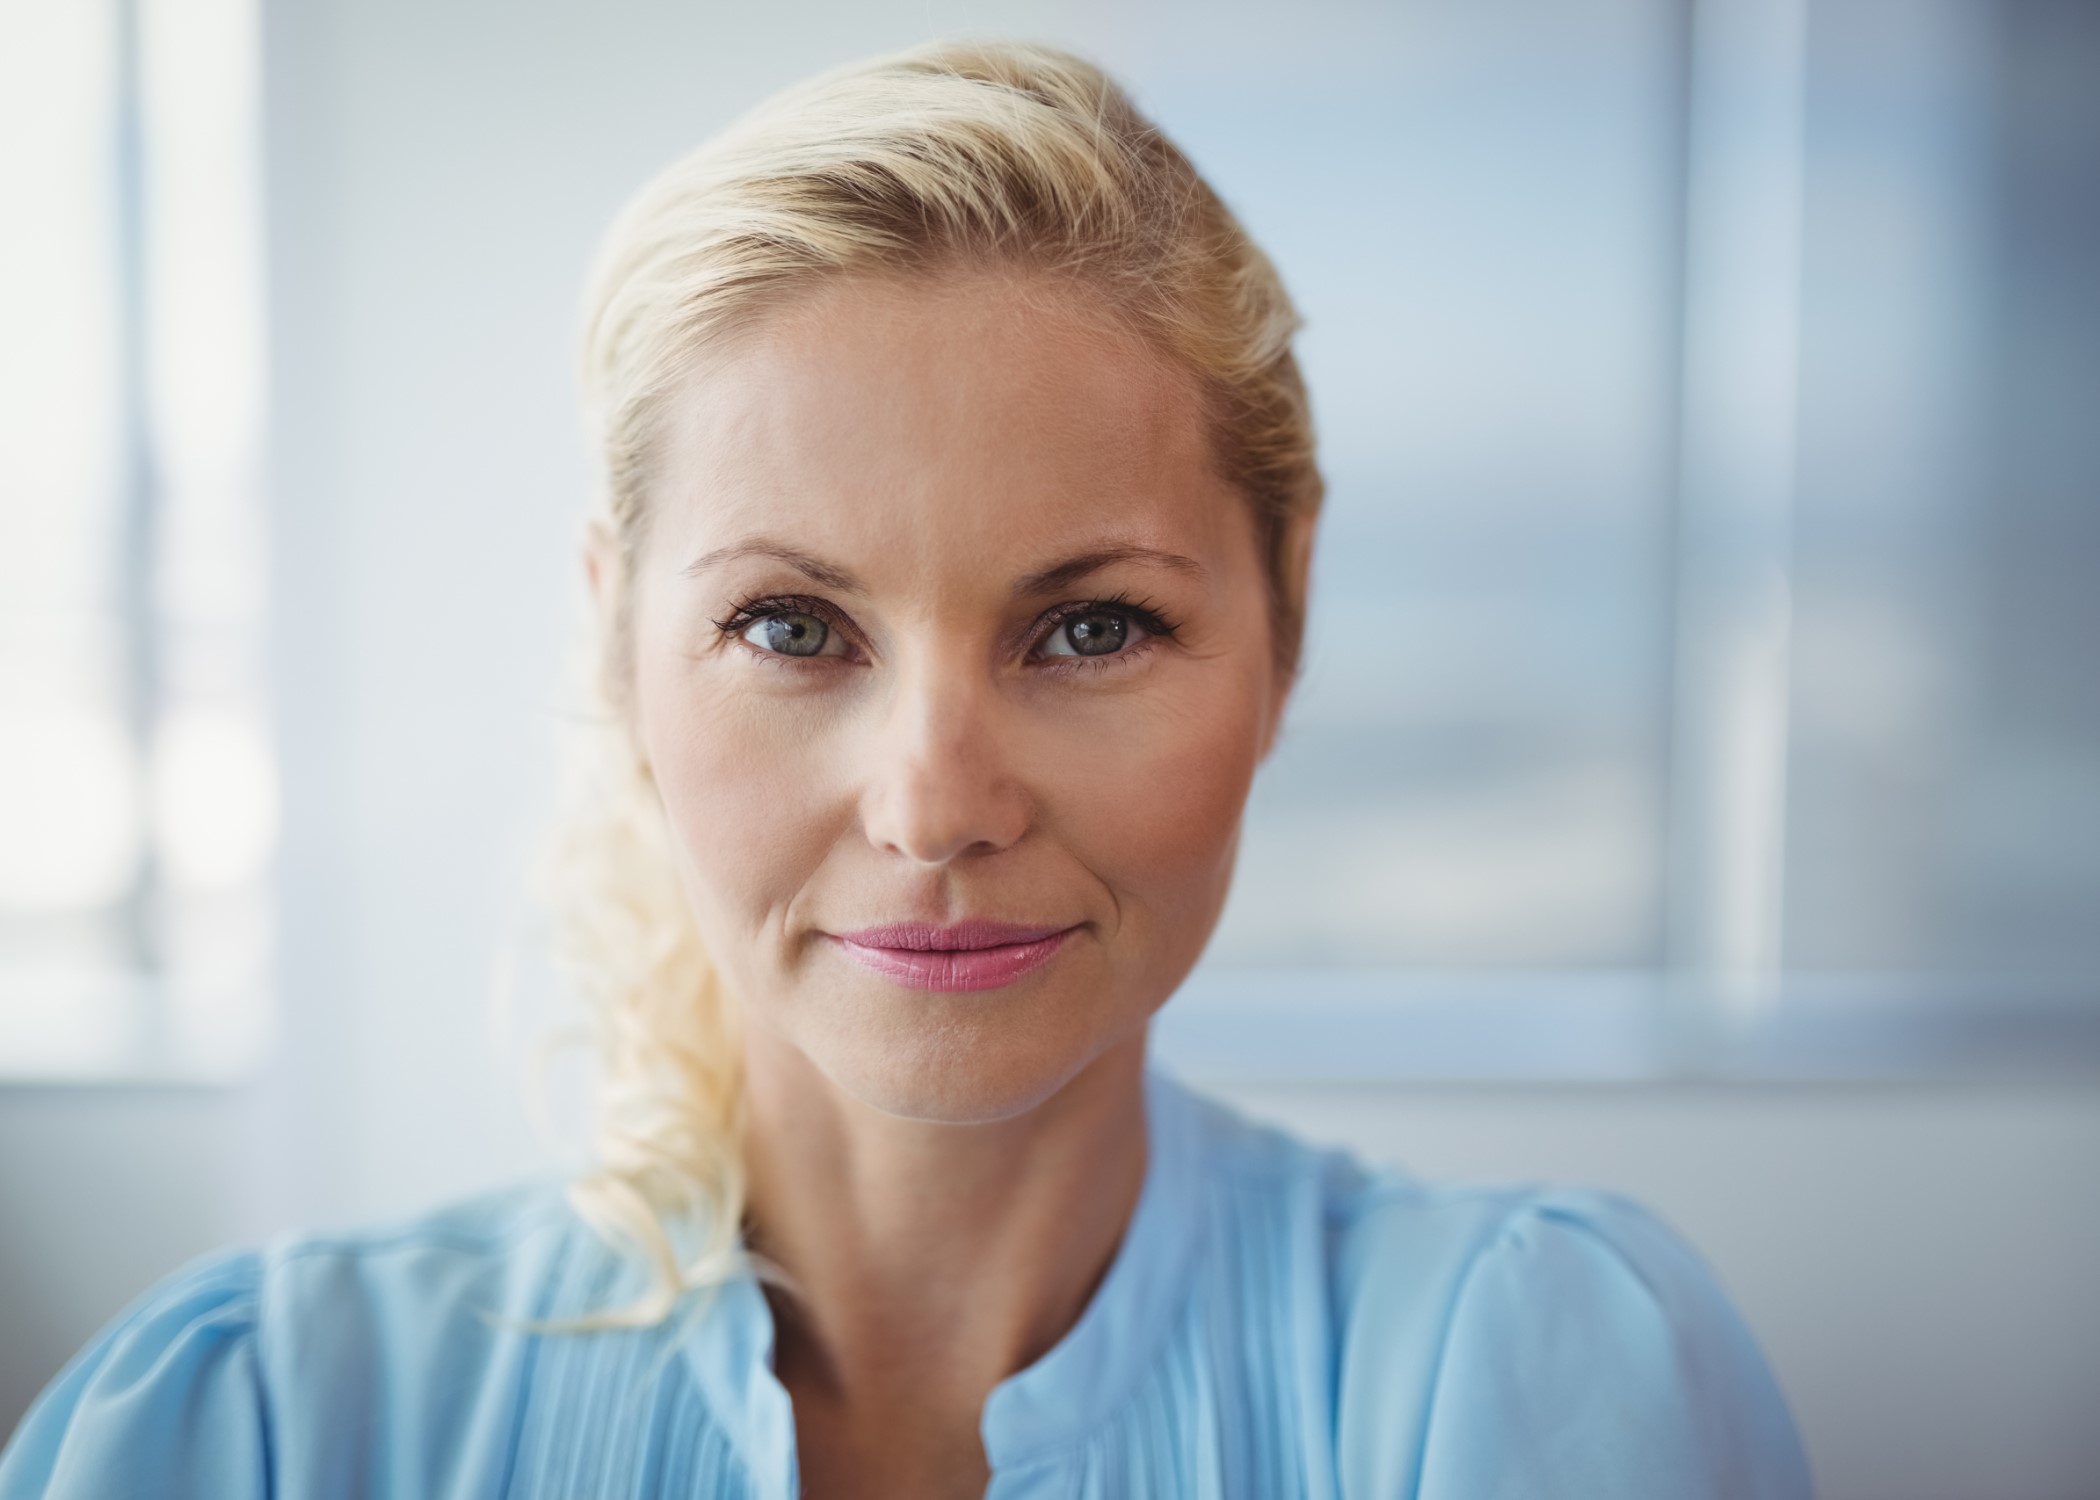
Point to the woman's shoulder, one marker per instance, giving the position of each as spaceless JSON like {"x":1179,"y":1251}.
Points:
{"x":1513,"y":1338}
{"x":1389,"y":1238}
{"x":1546,"y":1339}
{"x":210,"y":1374}
{"x":490,"y":1252}
{"x":178,"y":1367}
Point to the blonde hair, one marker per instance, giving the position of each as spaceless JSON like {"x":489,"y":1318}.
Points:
{"x":959,"y":154}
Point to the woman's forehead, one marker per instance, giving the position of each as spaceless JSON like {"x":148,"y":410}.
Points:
{"x":961,"y":416}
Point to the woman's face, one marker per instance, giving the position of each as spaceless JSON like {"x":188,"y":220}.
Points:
{"x":944,"y":618}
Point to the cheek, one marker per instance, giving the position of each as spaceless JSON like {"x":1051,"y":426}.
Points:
{"x":1157,"y":815}
{"x":742,"y":785}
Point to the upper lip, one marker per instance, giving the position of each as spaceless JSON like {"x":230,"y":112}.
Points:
{"x":974,"y":933}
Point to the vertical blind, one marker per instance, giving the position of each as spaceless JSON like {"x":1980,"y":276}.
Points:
{"x":137,"y":795}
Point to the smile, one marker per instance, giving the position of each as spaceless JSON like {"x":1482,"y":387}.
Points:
{"x":968,"y":956}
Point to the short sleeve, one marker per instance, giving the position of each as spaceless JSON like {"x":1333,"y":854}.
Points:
{"x":1590,"y":1352}
{"x":166,"y":1401}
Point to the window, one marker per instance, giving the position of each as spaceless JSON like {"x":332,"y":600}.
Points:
{"x":1705,"y":666}
{"x":137,"y":799}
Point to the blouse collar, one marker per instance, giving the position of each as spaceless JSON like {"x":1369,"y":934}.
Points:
{"x":1059,"y":1400}
{"x":1086,"y":1376}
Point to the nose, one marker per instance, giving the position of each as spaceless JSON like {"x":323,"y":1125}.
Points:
{"x":941,"y":783}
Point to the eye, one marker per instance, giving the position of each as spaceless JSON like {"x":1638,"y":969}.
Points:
{"x":1093,"y":630}
{"x":789,"y":633}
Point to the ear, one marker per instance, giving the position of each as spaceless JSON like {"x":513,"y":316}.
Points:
{"x":1296,"y":570}
{"x":604,"y":570}
{"x":1297,"y":552}
{"x":600,"y":559}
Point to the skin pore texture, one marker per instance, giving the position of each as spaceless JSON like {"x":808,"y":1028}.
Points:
{"x":939,"y":487}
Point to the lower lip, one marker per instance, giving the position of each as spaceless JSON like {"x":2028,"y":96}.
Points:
{"x":955,"y":968}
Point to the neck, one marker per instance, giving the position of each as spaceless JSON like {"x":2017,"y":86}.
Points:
{"x":930,"y":1261}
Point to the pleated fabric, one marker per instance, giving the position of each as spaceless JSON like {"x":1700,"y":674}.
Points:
{"x":1279,"y":1323}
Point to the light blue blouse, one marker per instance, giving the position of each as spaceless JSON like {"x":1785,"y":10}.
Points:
{"x":1278,"y":1322}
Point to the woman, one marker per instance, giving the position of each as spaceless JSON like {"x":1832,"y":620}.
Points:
{"x":959,"y":500}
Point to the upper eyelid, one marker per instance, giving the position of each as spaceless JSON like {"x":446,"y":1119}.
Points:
{"x":1147,"y":620}
{"x":761,"y":605}
{"x":1135,"y":607}
{"x":745,"y":613}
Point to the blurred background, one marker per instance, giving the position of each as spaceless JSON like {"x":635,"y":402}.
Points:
{"x":1695,"y":789}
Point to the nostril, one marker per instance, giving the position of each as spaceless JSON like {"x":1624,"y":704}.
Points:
{"x":933,"y":812}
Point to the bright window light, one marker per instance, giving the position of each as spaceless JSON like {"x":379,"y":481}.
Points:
{"x":138,"y":796}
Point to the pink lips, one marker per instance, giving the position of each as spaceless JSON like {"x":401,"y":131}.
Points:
{"x":971,"y":955}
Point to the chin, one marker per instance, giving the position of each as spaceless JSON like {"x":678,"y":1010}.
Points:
{"x":961,"y":1059}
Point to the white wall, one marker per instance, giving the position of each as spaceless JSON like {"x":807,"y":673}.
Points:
{"x":1919,"y":1260}
{"x":102,"y":1192}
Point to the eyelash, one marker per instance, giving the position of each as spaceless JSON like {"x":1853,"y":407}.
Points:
{"x":1147,"y":615}
{"x":746,"y":613}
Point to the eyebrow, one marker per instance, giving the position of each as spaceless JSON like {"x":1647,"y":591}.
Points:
{"x":814,"y":568}
{"x":1048,"y":580}
{"x":1072,"y":569}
